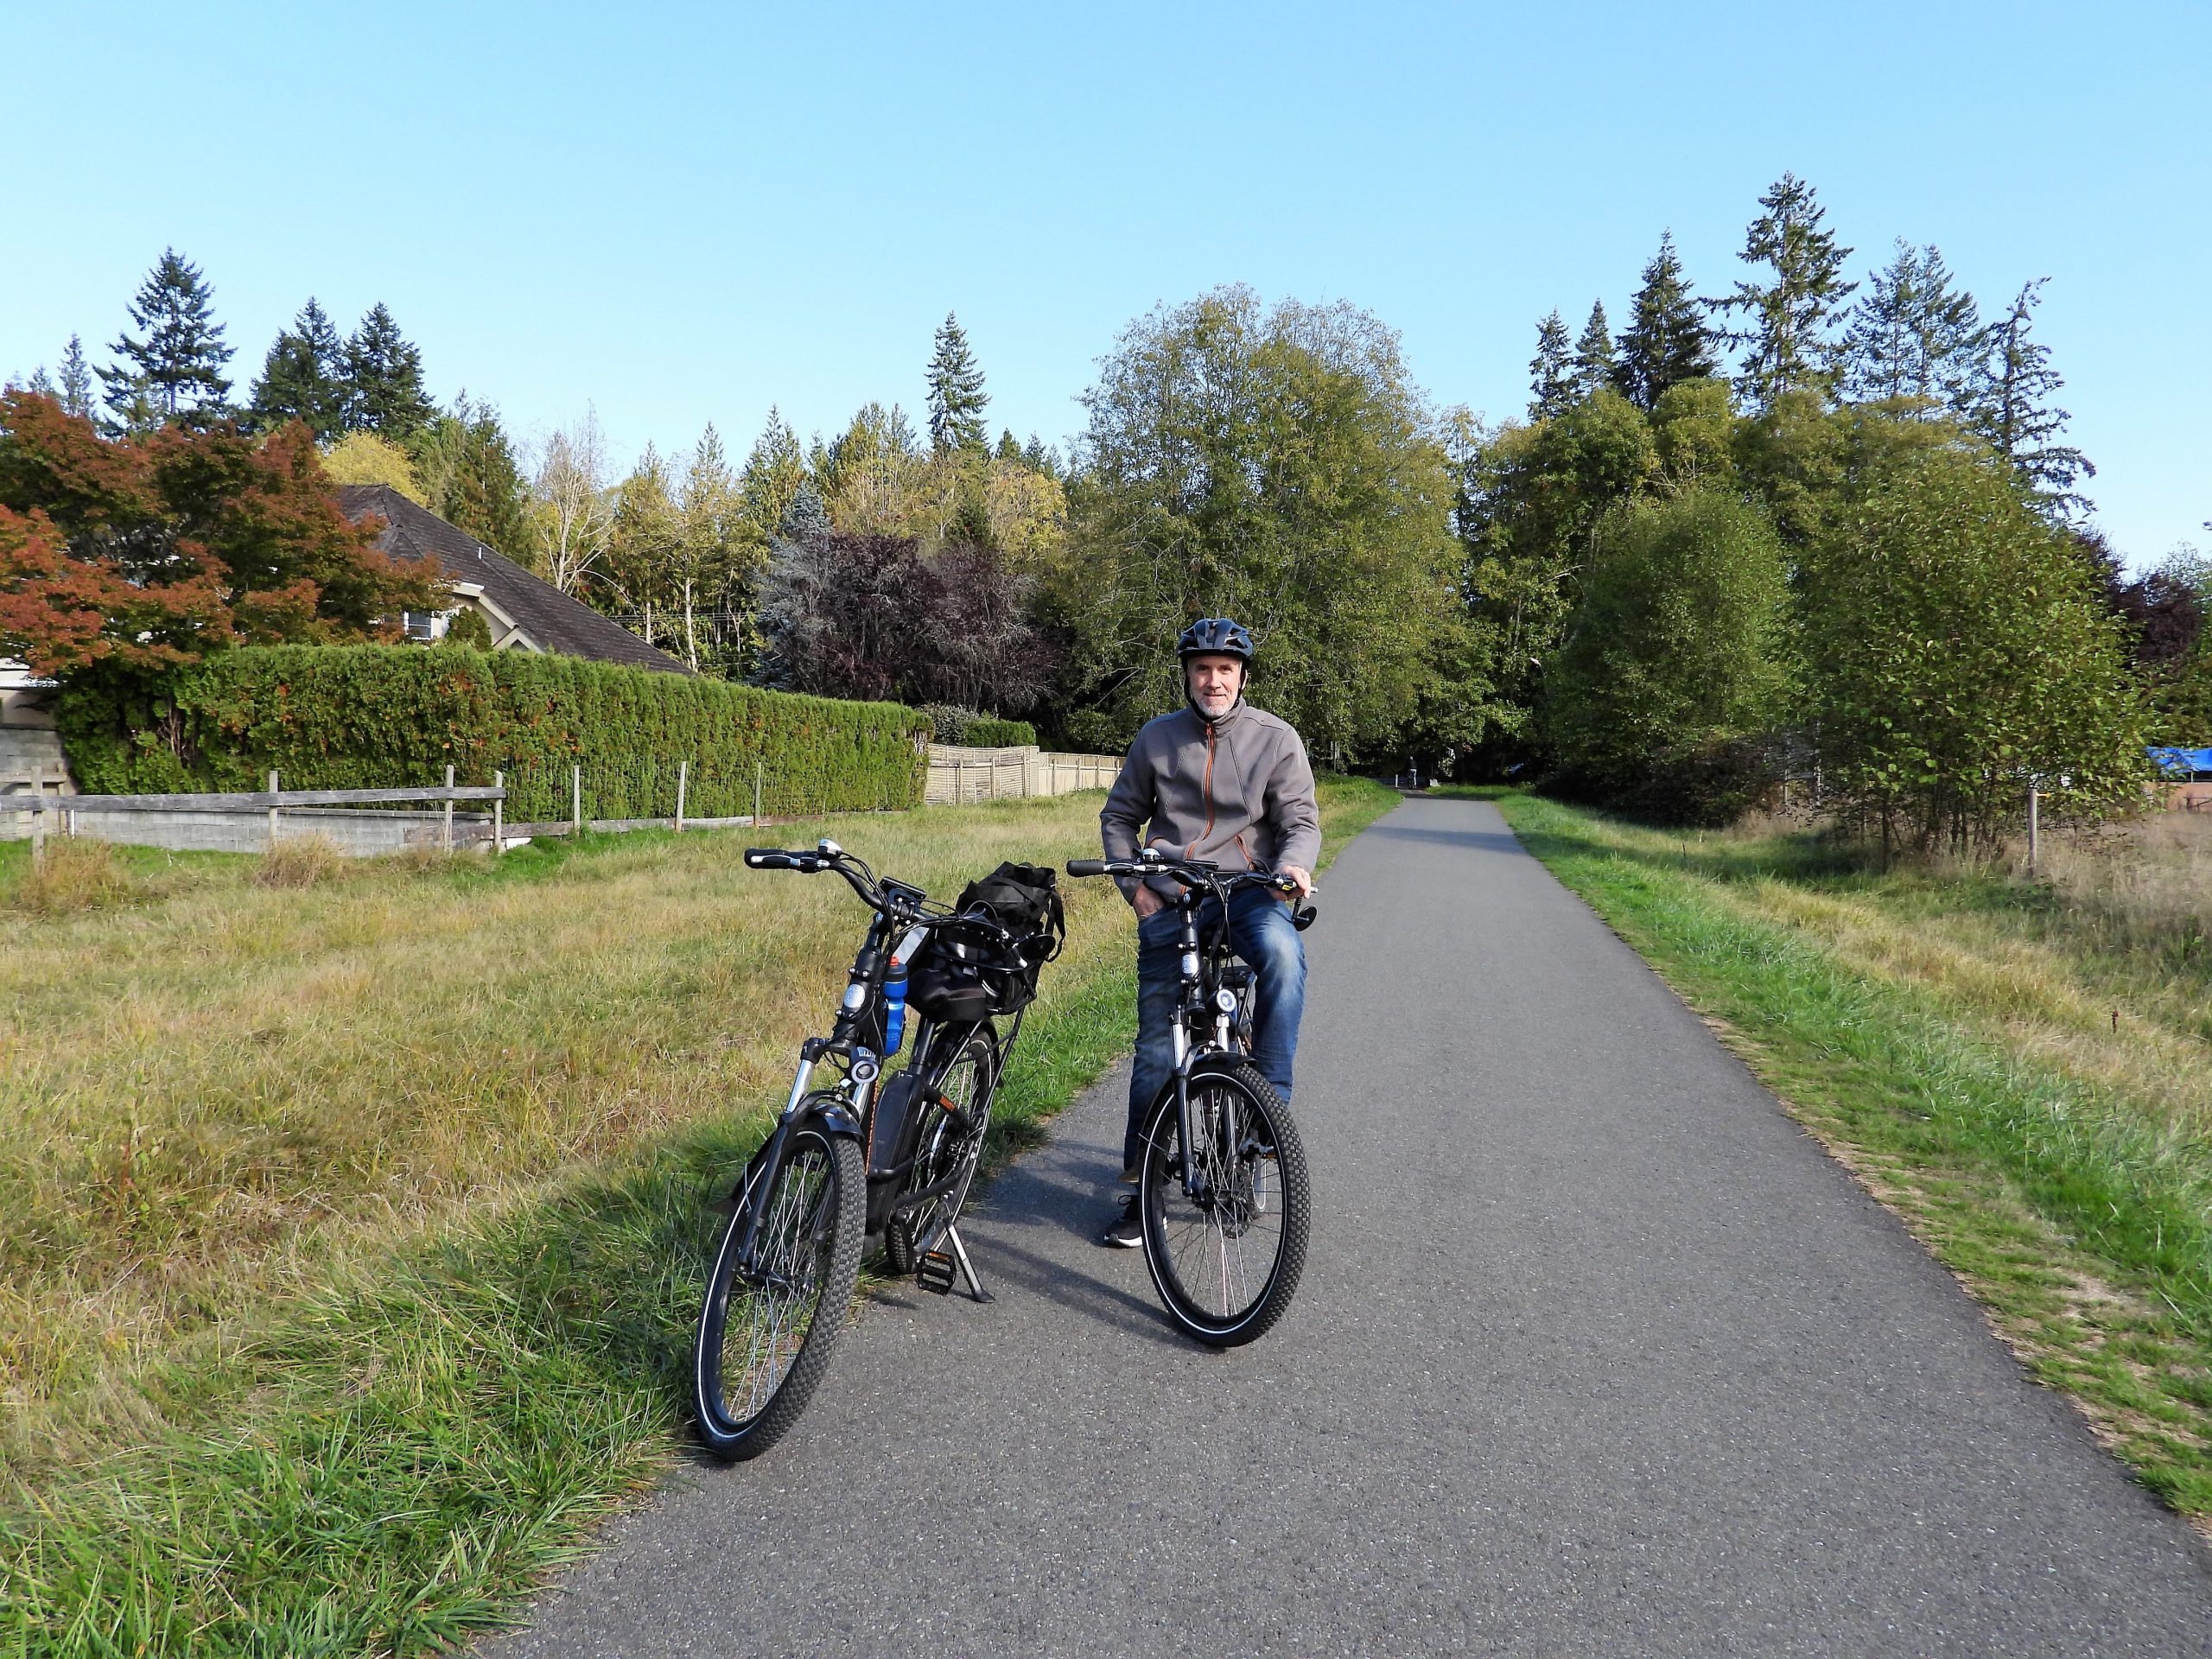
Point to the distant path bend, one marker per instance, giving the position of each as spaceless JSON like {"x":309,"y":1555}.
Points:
{"x":1596,"y":1353}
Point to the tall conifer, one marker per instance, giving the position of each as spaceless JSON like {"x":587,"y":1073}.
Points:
{"x":304,"y":377}
{"x":176,"y":372}
{"x":1913,"y":334}
{"x":76,"y":388}
{"x":957,"y":400}
{"x":1594,"y":353}
{"x":383,"y":372}
{"x":1785,"y":331}
{"x":1666,"y":341}
{"x":1551,"y":371}
{"x":2014,"y":412}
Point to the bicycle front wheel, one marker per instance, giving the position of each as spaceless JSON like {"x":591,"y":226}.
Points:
{"x":1226,"y":1245}
{"x":768,"y":1324}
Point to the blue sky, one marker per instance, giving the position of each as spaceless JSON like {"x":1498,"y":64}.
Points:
{"x":685,"y":214}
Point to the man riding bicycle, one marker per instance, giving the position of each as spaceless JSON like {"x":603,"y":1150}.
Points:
{"x":1224,"y":782}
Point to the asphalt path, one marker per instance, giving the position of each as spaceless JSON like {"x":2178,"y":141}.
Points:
{"x":1596,"y":1353}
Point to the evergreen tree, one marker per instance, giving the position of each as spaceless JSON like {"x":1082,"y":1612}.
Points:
{"x":1041,"y":458}
{"x":1666,"y":341}
{"x":174,"y":375}
{"x":805,"y":520}
{"x":2014,"y":413}
{"x":1593,"y":355}
{"x":472,"y":479}
{"x":1913,"y":334}
{"x":957,"y":400}
{"x":1009,"y":446}
{"x":774,"y":473}
{"x":1787,"y":319}
{"x":1551,"y":373}
{"x":383,"y":372}
{"x":75,"y":391}
{"x":304,"y":378}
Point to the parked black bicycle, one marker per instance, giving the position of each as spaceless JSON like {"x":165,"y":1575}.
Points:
{"x":1222,"y":1187}
{"x":861,"y":1156}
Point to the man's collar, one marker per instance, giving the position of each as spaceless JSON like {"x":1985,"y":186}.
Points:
{"x":1226,"y":717}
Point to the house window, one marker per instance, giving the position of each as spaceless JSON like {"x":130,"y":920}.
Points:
{"x":428,"y":624}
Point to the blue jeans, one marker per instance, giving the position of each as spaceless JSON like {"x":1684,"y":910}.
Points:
{"x":1262,"y":932}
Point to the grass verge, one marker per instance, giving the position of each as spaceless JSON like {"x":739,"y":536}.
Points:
{"x":1954,"y":1039}
{"x":355,"y":1226}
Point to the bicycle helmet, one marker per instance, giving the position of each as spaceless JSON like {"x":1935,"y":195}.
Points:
{"x":1216,"y":636}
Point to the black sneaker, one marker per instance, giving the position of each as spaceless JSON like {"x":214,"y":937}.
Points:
{"x":1128,"y":1233}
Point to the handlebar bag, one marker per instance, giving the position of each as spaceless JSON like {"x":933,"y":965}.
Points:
{"x":958,"y":981}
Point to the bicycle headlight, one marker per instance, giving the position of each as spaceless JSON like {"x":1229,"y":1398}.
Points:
{"x":1225,"y":1001}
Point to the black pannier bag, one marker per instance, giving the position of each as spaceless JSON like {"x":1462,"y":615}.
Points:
{"x":960,"y":977}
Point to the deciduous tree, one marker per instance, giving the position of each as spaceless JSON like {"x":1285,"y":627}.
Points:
{"x":572,"y":512}
{"x":151,"y":551}
{"x":1276,"y":465}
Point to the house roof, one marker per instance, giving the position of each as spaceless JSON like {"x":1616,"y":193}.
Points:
{"x":540,"y":615}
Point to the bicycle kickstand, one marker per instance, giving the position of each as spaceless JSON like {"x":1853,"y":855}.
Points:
{"x":960,"y":1255}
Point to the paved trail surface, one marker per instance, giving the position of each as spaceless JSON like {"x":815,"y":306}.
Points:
{"x":1596,"y":1353}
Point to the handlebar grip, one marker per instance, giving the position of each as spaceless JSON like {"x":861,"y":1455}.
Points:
{"x":769,"y":858}
{"x":1086,"y":866}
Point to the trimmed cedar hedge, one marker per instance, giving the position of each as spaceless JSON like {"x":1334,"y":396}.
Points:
{"x":998,"y":734}
{"x":384,"y":717}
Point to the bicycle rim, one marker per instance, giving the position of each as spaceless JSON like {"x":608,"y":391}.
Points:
{"x":952,"y":1142}
{"x":765,"y":1336}
{"x":1226,"y":1260}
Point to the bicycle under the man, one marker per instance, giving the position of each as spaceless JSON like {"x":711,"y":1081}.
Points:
{"x":861,"y":1156}
{"x":1222,"y":1190}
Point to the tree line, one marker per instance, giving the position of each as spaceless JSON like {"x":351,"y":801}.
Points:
{"x":1808,"y":528}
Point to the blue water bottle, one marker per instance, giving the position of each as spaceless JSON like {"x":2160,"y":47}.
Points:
{"x":895,"y":1006}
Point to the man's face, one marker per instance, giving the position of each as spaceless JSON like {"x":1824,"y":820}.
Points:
{"x":1214,"y":682}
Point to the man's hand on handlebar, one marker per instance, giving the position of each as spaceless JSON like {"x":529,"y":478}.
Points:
{"x":1303,"y":878}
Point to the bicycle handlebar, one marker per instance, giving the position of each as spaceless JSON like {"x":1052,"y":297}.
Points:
{"x":815,"y":861}
{"x":1194,"y":874}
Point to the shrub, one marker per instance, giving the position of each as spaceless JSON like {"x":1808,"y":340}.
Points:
{"x":365,"y":717}
{"x":999,"y":734}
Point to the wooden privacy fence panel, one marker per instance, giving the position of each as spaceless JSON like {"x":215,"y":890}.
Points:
{"x":961,"y":777}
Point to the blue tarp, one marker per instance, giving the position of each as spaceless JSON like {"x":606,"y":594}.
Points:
{"x":2180,"y":765}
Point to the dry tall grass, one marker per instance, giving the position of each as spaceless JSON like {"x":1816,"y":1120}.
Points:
{"x":204,"y":1096}
{"x":74,"y":874}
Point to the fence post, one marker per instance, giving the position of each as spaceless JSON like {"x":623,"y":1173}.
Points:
{"x":2034,"y":804}
{"x":38,"y":816}
{"x":499,"y":815}
{"x":445,"y":837}
{"x":756,"y":792}
{"x":272,"y":811}
{"x":682,"y":778}
{"x":576,"y":798}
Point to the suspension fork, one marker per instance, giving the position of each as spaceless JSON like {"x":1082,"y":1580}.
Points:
{"x":1184,"y":1053}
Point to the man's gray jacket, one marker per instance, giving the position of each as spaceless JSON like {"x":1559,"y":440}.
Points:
{"x":1236,"y":791}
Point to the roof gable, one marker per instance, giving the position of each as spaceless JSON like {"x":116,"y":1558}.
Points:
{"x":548,"y":618}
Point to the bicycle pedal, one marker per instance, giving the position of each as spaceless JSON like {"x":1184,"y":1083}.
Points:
{"x":936,"y":1272}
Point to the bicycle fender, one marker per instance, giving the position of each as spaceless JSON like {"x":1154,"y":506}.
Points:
{"x":837,"y":1119}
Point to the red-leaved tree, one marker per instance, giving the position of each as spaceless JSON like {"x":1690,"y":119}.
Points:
{"x":150,"y":553}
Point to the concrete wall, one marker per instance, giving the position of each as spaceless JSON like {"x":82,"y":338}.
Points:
{"x":960,"y":776}
{"x":28,"y":753}
{"x":360,"y":832}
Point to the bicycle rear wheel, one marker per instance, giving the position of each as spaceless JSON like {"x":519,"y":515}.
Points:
{"x":956,"y":1115}
{"x":767,"y":1331}
{"x":1225,"y":1259}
